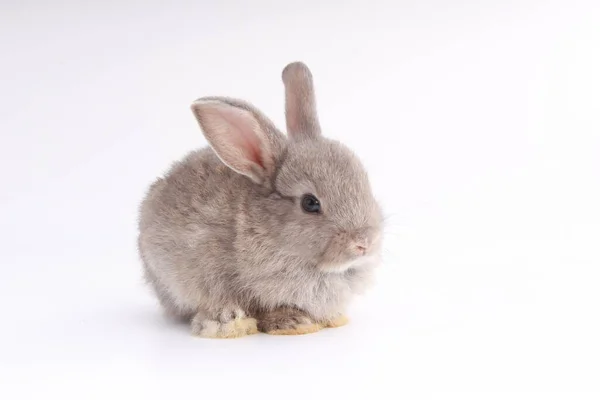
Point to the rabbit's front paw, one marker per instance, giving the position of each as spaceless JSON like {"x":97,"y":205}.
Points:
{"x":228,"y":325}
{"x":286,"y":321}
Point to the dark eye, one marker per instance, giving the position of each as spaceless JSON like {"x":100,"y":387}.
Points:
{"x":311,"y":204}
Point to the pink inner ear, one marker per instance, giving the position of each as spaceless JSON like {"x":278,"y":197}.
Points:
{"x":236,"y":136}
{"x":245,"y":138}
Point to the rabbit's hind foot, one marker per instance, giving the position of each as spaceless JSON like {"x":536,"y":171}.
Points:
{"x":286,"y":321}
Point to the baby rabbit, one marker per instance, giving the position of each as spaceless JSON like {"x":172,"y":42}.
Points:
{"x":261,"y":231}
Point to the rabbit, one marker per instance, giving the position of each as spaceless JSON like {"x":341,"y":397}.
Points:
{"x":261,"y":231}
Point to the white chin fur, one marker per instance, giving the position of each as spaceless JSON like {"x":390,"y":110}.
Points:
{"x":359,"y":263}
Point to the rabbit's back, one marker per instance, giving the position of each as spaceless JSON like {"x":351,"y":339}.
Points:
{"x":186,"y":228}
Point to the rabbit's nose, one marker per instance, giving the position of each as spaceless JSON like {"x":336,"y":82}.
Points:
{"x":360,"y":247}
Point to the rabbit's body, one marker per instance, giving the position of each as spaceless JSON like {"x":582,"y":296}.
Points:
{"x":224,"y":243}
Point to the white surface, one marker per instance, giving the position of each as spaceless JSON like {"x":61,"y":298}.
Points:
{"x":478,"y":121}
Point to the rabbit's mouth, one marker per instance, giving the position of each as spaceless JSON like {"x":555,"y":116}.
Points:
{"x":347,"y":251}
{"x":359,"y":262}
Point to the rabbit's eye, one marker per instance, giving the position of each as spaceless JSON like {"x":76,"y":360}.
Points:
{"x":311,"y":204}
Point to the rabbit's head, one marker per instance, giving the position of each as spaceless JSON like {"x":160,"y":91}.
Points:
{"x":312,"y":196}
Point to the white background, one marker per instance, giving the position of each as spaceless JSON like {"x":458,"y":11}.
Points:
{"x":478,"y":121}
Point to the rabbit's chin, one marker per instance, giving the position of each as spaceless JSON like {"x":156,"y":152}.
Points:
{"x":363,"y":262}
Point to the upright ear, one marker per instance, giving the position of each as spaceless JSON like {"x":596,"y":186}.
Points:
{"x":300,"y":105}
{"x":240,"y":136}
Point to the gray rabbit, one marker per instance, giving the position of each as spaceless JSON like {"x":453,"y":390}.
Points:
{"x":261,"y":231}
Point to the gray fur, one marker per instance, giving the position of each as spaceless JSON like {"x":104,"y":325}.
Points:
{"x":213,"y":240}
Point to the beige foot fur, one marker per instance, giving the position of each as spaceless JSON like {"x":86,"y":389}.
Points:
{"x":235,"y":328}
{"x":335,"y":322}
{"x":230,"y":323}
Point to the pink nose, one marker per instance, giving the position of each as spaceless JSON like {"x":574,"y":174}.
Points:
{"x":360,"y":248}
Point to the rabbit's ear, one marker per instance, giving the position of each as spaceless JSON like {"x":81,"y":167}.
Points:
{"x":300,"y":105}
{"x":237,"y":135}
